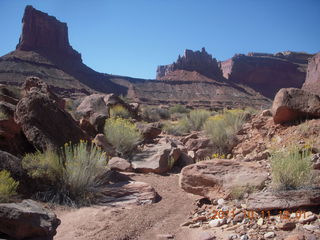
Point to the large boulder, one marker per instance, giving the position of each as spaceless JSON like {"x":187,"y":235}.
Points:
{"x":217,"y":178}
{"x":27,"y":220}
{"x":119,"y":164}
{"x":157,"y":158}
{"x":12,"y":164}
{"x":44,"y":123}
{"x":312,"y":83}
{"x":291,"y":104}
{"x":96,"y":108}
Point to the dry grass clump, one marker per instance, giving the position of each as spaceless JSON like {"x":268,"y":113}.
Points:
{"x":222,"y":128}
{"x":122,"y":134}
{"x":8,"y":186}
{"x":291,"y":168}
{"x":154,"y":114}
{"x":71,"y":174}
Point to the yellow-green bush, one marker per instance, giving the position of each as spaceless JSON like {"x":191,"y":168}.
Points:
{"x":3,"y":116}
{"x":178,"y":108}
{"x":291,"y":168}
{"x":8,"y":186}
{"x":222,"y":128}
{"x":119,"y":111}
{"x":72,"y":173}
{"x":154,"y":114}
{"x":177,"y":128}
{"x":197,"y":118}
{"x":122,"y":134}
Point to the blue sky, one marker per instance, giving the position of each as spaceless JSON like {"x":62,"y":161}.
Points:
{"x":133,"y":37}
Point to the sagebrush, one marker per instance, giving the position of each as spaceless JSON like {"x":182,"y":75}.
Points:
{"x":222,"y":128}
{"x":71,"y":173}
{"x":154,"y":114}
{"x":122,"y":135}
{"x":119,"y":111}
{"x":8,"y":186}
{"x":291,"y":168}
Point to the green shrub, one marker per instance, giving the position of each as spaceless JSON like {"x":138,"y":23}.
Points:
{"x":154,"y":114}
{"x":8,"y":186}
{"x":179,"y":128}
{"x":178,"y":108}
{"x":119,"y":111}
{"x":222,"y":128}
{"x":122,"y":135}
{"x":238,"y":192}
{"x":197,"y":118}
{"x":291,"y":168}
{"x":71,"y":174}
{"x":3,"y":116}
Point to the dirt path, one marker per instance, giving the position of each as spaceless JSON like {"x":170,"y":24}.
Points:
{"x":135,"y":222}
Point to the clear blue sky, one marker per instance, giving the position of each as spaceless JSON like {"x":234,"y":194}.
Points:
{"x":132,"y":37}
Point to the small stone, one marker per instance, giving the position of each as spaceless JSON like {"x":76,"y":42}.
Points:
{"x":287,"y":226}
{"x":244,"y":205}
{"x":205,"y":236}
{"x":233,"y":236}
{"x":165,"y":236}
{"x":244,"y":237}
{"x":269,"y":235}
{"x":310,"y":228}
{"x":239,"y":217}
{"x":260,"y":221}
{"x":196,"y":225}
{"x":309,"y":219}
{"x":221,"y":201}
{"x":216,"y":222}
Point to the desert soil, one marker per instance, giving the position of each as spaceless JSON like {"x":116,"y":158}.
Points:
{"x":134,"y":222}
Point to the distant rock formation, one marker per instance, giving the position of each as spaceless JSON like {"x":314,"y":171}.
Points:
{"x":44,"y":51}
{"x":198,"y":61}
{"x":312,"y":83}
{"x":44,"y":33}
{"x":267,"y":73}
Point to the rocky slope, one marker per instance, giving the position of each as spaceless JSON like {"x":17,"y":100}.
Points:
{"x":267,"y":73}
{"x":44,"y":51}
{"x":313,"y":75}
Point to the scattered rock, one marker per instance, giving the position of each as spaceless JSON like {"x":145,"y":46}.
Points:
{"x":217,"y":222}
{"x":165,"y":236}
{"x":157,"y":158}
{"x":269,"y":235}
{"x":27,"y":220}
{"x":295,"y":237}
{"x":119,"y":164}
{"x":287,"y":226}
{"x":291,"y":104}
{"x":205,"y":236}
{"x":149,"y":131}
{"x":293,"y":199}
{"x":216,"y":178}
{"x":184,"y":160}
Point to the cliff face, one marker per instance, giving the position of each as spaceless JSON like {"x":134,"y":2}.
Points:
{"x":198,"y":61}
{"x":312,"y":83}
{"x":44,"y":51}
{"x":267,"y":73}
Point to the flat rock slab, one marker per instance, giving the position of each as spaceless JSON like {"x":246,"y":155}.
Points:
{"x":293,"y":199}
{"x":216,"y":178}
{"x":127,"y":193}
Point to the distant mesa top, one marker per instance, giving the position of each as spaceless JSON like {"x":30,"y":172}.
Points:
{"x":45,"y":34}
{"x":199,"y":61}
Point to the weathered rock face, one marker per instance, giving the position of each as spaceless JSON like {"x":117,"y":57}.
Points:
{"x":292,"y":104}
{"x":216,"y":178}
{"x":44,"y":123}
{"x":312,"y":83}
{"x":41,"y":32}
{"x":267,"y":73}
{"x":149,"y":131}
{"x":27,"y":220}
{"x":199,"y":61}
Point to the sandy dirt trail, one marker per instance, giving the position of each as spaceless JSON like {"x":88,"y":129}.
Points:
{"x":134,"y":222}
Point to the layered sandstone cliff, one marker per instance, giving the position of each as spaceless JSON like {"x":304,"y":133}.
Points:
{"x":312,"y":83}
{"x":267,"y":73}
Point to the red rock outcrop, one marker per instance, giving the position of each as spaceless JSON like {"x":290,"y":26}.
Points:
{"x":267,"y":73}
{"x":312,"y":83}
{"x":41,"y":32}
{"x":199,"y":61}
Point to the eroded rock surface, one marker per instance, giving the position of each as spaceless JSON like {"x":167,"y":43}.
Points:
{"x":312,"y":83}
